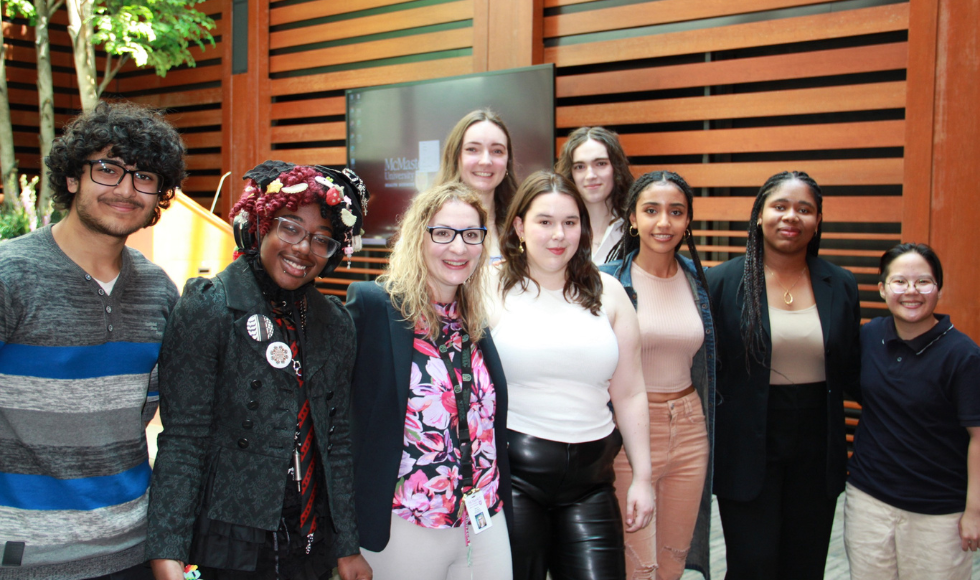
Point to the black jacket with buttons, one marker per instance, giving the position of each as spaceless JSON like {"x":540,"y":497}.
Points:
{"x":226,"y":411}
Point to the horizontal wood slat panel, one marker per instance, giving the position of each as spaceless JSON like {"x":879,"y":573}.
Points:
{"x":29,"y":76}
{"x":402,"y":20}
{"x":661,"y":12}
{"x":367,"y":77}
{"x":321,"y":8}
{"x":25,"y":97}
{"x":207,"y":183}
{"x":32,"y":118}
{"x":819,"y":63}
{"x":876,"y":209}
{"x":824,"y":235}
{"x":826,"y":172}
{"x":791,"y":138}
{"x":202,"y":140}
{"x":311,"y":132}
{"x":174,"y":78}
{"x":197,"y":53}
{"x":181,"y":98}
{"x":767,"y":33}
{"x":557,"y":3}
{"x":205,"y":161}
{"x":823,"y":251}
{"x":393,"y":47}
{"x":889,"y":95}
{"x":308,"y":108}
{"x":313,"y":155}
{"x":183,"y":120}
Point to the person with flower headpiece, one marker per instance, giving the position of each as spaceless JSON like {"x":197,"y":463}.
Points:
{"x":253,"y":477}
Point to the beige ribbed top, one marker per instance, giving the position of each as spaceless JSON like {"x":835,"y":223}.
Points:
{"x":671,"y":330}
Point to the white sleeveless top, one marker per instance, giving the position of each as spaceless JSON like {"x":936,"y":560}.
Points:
{"x":558,"y":358}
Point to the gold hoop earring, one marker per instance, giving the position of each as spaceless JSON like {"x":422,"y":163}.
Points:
{"x":520,"y":245}
{"x":634,"y":232}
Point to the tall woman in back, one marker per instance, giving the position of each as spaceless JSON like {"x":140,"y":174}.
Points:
{"x":569,"y":343}
{"x":787,"y":334}
{"x":678,"y":353}
{"x":594,"y":160}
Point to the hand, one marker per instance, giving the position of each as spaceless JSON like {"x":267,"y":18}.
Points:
{"x":639,"y":506}
{"x":970,"y":531}
{"x":167,"y":569}
{"x":354,"y":567}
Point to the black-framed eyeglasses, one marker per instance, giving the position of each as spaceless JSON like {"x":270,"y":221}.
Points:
{"x":444,"y":235}
{"x":108,"y":172}
{"x":292,"y":233}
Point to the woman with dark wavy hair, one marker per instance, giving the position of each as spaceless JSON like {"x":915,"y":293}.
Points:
{"x":670,"y":295}
{"x":787,"y":334}
{"x":594,"y":160}
{"x":569,"y":343}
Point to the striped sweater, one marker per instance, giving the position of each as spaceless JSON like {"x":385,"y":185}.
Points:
{"x":77,"y":384}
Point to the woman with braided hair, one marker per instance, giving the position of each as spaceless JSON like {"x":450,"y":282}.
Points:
{"x":788,"y":347}
{"x":670,"y":294}
{"x":253,"y":479}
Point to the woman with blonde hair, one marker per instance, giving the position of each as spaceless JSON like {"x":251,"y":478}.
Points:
{"x":478,"y":152}
{"x":431,"y":484}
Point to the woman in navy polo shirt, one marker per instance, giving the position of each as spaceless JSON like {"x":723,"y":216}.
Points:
{"x":912,"y":504}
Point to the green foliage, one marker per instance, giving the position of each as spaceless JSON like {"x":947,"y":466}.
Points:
{"x":22,"y":217}
{"x":153,"y":33}
{"x":19,"y":8}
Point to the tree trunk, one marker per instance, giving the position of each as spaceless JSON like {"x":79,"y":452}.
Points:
{"x":45,"y":95}
{"x":8,"y":161}
{"x":80,"y":29}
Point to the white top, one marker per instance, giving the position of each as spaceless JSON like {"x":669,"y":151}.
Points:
{"x":609,"y":239}
{"x":558,"y":359}
{"x":671,"y":330}
{"x":797,"y":347}
{"x":107,"y":286}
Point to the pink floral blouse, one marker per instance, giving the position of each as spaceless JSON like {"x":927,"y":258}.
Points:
{"x":428,"y":491}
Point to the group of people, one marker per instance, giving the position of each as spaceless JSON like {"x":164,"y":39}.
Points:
{"x":539,"y":383}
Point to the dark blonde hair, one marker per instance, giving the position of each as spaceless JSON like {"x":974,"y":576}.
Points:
{"x":582,"y":281}
{"x":622,"y":176}
{"x":406,"y":279}
{"x":449,"y":168}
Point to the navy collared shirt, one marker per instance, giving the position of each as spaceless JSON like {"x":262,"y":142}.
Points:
{"x":910,"y":449}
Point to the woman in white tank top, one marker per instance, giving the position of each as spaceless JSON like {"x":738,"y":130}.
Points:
{"x":568,"y":341}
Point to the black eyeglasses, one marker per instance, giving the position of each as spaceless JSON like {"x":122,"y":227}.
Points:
{"x":444,"y":235}
{"x":293,"y":233}
{"x":107,"y":172}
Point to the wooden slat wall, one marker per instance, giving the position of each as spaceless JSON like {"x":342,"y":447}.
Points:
{"x":729,"y":93}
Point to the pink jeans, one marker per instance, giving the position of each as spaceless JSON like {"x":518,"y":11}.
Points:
{"x":679,"y":457}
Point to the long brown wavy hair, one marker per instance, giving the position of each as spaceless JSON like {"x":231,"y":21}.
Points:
{"x":583,"y":284}
{"x":622,"y":176}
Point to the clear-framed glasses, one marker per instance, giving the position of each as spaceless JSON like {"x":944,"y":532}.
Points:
{"x":901,"y":285}
{"x":108,"y":172}
{"x":444,"y":235}
{"x":292,"y":233}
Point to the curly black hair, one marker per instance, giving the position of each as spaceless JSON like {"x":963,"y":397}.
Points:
{"x":137,"y":135}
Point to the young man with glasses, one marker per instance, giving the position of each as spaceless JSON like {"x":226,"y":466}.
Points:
{"x":81,"y":320}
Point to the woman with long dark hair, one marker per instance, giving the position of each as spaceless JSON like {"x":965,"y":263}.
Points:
{"x":677,"y":344}
{"x":912,"y":503}
{"x":594,"y":160}
{"x":568,"y":340}
{"x":787,"y":335}
{"x":252,"y":479}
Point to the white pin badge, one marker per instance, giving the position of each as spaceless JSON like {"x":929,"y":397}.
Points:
{"x":259,"y":327}
{"x":278,"y":355}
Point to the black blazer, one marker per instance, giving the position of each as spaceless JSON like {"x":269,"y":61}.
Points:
{"x":740,"y":417}
{"x":379,"y":398}
{"x":228,"y":414}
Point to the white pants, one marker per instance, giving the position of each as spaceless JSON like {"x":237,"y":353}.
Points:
{"x":886,"y":543}
{"x":417,"y":553}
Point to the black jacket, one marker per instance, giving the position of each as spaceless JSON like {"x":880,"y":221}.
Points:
{"x":740,"y":417}
{"x":379,"y":398}
{"x":226,"y":411}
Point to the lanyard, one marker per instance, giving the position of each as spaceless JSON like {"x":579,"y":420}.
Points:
{"x":462,"y":394}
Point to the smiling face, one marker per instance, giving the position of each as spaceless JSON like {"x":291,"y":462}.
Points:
{"x":789,"y":218}
{"x":551,"y":229}
{"x":449,"y":265}
{"x":483,"y":159}
{"x":293,"y":265}
{"x":592,"y":172}
{"x":661,"y":218}
{"x":114,"y":210}
{"x":913,"y":310}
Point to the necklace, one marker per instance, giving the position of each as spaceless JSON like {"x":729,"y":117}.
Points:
{"x":787,"y":295}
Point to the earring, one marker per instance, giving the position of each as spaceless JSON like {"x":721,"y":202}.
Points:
{"x":520,"y":245}
{"x":634,"y":232}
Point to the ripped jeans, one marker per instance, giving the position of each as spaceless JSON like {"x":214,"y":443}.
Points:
{"x":679,"y":457}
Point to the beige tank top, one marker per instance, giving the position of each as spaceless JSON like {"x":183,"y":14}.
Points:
{"x":797,"y":347}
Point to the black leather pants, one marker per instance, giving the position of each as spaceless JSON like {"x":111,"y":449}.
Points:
{"x":566,"y":517}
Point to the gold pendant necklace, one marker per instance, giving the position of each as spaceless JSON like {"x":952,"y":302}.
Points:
{"x":787,"y":295}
